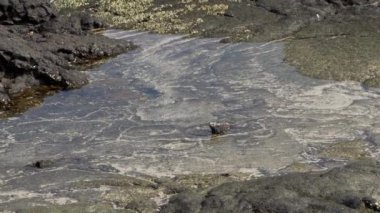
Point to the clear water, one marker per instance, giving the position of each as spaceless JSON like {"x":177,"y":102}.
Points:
{"x":147,"y":112}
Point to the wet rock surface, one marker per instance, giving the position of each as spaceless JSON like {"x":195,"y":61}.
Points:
{"x":40,"y":48}
{"x":219,"y":128}
{"x":240,"y":20}
{"x":263,"y":20}
{"x":353,"y":188}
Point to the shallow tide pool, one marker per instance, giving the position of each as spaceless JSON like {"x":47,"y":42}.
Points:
{"x":147,"y":113}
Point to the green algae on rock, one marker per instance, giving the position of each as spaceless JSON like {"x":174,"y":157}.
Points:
{"x":27,"y":99}
{"x":347,"y":150}
{"x":338,"y":51}
{"x":301,"y":167}
{"x":73,"y":208}
{"x":159,"y":17}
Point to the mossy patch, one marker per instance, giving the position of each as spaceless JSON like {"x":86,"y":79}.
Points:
{"x":147,"y":15}
{"x":147,"y":194}
{"x":70,"y":4}
{"x":300,"y":167}
{"x":338,"y":51}
{"x":72,"y":208}
{"x":347,"y":150}
{"x":198,"y":182}
{"x":27,"y":99}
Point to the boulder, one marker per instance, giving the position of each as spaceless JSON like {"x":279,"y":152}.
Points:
{"x":40,"y":48}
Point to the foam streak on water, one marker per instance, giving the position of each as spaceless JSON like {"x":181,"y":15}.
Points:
{"x":147,"y":112}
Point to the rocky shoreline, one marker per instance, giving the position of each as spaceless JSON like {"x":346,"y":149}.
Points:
{"x":40,"y":51}
{"x":352,"y":188}
{"x":325,"y":39}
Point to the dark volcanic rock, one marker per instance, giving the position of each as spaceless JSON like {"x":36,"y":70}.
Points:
{"x":25,"y":11}
{"x":42,"y":164}
{"x":38,"y":47}
{"x":352,"y":188}
{"x":79,"y":23}
{"x":263,"y":20}
{"x":219,"y":128}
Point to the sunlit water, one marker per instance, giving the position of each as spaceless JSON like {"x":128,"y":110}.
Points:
{"x":147,"y":112}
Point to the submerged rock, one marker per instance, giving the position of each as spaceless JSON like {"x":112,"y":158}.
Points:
{"x":219,"y":128}
{"x":42,"y":164}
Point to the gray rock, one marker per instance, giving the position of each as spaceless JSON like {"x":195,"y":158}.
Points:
{"x":4,"y":3}
{"x":42,"y":164}
{"x":352,"y":188}
{"x":371,"y":203}
{"x":219,"y":128}
{"x":184,"y":202}
{"x":4,"y":99}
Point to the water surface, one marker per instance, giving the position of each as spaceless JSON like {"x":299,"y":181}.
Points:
{"x":147,"y":112}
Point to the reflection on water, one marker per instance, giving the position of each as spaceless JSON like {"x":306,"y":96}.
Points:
{"x":147,"y":112}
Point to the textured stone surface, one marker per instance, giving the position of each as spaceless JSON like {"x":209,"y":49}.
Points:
{"x":25,"y":11}
{"x":333,"y":40}
{"x":38,"y":47}
{"x":347,"y":189}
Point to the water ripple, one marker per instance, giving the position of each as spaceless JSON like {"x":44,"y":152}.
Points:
{"x":147,"y":111}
